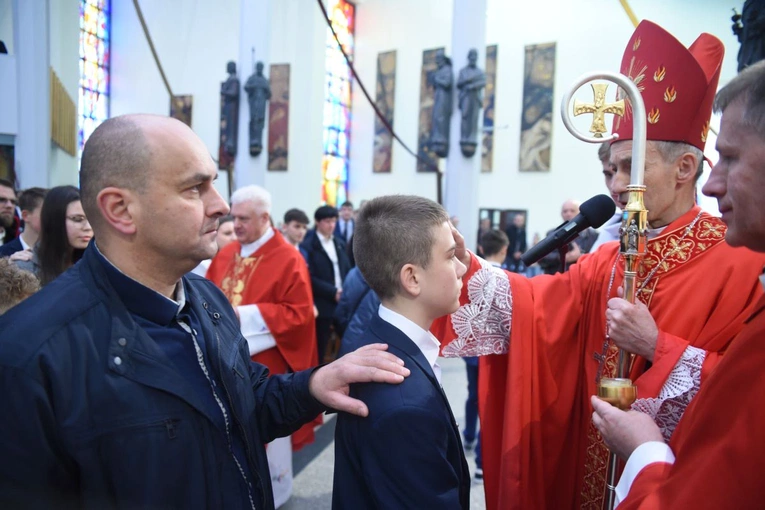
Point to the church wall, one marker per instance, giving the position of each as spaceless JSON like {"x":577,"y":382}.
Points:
{"x":194,"y":41}
{"x":64,"y":53}
{"x":298,"y":35}
{"x":6,"y":24}
{"x":409,"y":27}
{"x":595,"y":42}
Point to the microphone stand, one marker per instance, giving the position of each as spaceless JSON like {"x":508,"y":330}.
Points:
{"x":562,"y":253}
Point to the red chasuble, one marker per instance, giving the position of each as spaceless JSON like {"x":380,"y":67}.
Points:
{"x":276,"y":279}
{"x":541,"y":450}
{"x":719,"y":444}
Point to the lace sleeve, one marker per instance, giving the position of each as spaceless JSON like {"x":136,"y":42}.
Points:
{"x":682,"y":385}
{"x":482,"y":324}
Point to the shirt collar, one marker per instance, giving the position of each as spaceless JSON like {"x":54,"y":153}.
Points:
{"x":424,"y":340}
{"x":324,"y":240}
{"x":140,"y":299}
{"x":249,"y":249}
{"x":24,"y":246}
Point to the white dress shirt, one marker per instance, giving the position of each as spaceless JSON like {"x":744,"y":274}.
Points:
{"x":645,"y":454}
{"x":254,"y":328}
{"x":346,"y":227}
{"x":328,"y":244}
{"x":424,"y":340}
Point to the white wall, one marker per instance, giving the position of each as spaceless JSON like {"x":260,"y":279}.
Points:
{"x":195,"y":40}
{"x":64,"y":54}
{"x":298,"y":35}
{"x":595,"y":41}
{"x":409,"y":27}
{"x":6,"y":24}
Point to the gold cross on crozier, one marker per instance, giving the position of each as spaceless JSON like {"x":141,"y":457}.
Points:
{"x":598,"y":108}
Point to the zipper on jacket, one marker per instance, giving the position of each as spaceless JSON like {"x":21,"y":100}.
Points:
{"x":238,"y":423}
{"x":221,"y":406}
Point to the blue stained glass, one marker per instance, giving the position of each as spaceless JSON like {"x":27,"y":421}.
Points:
{"x":93,"y":104}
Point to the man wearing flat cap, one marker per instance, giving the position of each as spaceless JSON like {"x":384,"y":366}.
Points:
{"x":328,"y":264}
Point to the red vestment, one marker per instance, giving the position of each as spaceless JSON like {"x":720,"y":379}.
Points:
{"x":276,"y":279}
{"x":541,"y":450}
{"x":719,"y":444}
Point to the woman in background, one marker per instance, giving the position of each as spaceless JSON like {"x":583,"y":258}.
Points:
{"x":64,"y":234}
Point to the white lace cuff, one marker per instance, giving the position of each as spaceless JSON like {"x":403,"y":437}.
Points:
{"x":681,"y":386}
{"x":482,"y":324}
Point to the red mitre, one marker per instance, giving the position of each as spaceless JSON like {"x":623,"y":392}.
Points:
{"x":678,"y":85}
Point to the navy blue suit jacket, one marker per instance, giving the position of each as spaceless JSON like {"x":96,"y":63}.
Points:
{"x":407,"y":453}
{"x":323,"y":272}
{"x":11,"y":247}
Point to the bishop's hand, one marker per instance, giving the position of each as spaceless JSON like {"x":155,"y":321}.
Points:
{"x":623,"y":431}
{"x":462,"y":254}
{"x":631,"y":326}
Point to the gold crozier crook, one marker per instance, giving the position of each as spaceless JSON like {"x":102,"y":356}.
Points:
{"x":619,"y":391}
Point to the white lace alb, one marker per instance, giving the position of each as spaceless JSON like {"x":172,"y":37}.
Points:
{"x":679,"y":389}
{"x":482,"y":324}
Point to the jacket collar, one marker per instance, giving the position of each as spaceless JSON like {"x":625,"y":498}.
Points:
{"x":389,"y":334}
{"x":140,"y":299}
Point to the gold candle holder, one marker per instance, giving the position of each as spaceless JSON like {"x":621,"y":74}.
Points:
{"x":618,"y":391}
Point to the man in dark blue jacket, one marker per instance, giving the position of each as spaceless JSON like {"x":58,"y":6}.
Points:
{"x":127,"y":384}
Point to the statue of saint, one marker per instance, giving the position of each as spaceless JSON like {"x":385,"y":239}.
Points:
{"x":470,"y":83}
{"x":258,"y":93}
{"x":229,"y":115}
{"x":749,"y":27}
{"x":632,"y":237}
{"x":442,"y":81}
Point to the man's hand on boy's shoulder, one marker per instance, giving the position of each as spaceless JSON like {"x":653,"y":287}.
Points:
{"x":461,"y":252}
{"x":330,"y":384}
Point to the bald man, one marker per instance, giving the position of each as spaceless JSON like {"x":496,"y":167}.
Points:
{"x":127,"y":382}
{"x":551,"y":262}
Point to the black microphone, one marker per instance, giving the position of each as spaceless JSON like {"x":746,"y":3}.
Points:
{"x":592,"y":213}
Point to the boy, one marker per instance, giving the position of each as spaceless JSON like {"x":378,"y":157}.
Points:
{"x":295,"y":226}
{"x":407,"y":453}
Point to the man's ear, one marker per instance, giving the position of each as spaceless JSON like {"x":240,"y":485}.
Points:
{"x":117,"y":208}
{"x":688,"y":165}
{"x":25,"y":214}
{"x":409,"y":278}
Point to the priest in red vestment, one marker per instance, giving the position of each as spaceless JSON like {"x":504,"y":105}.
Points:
{"x":546,"y":338}
{"x":266,"y":280}
{"x":716,"y":457}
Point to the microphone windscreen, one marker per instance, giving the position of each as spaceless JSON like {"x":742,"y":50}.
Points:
{"x":597,"y":210}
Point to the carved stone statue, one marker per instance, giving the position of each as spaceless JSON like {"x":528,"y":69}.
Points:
{"x":470,"y":83}
{"x":229,"y":115}
{"x":749,"y":27}
{"x":258,"y":93}
{"x":442,"y":81}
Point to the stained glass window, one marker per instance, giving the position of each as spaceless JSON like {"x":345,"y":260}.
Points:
{"x":337,"y":104}
{"x":93,"y":104}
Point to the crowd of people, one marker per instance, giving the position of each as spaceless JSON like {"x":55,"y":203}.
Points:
{"x":176,"y":356}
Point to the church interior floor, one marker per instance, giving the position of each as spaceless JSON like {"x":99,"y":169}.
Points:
{"x":314,"y":465}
